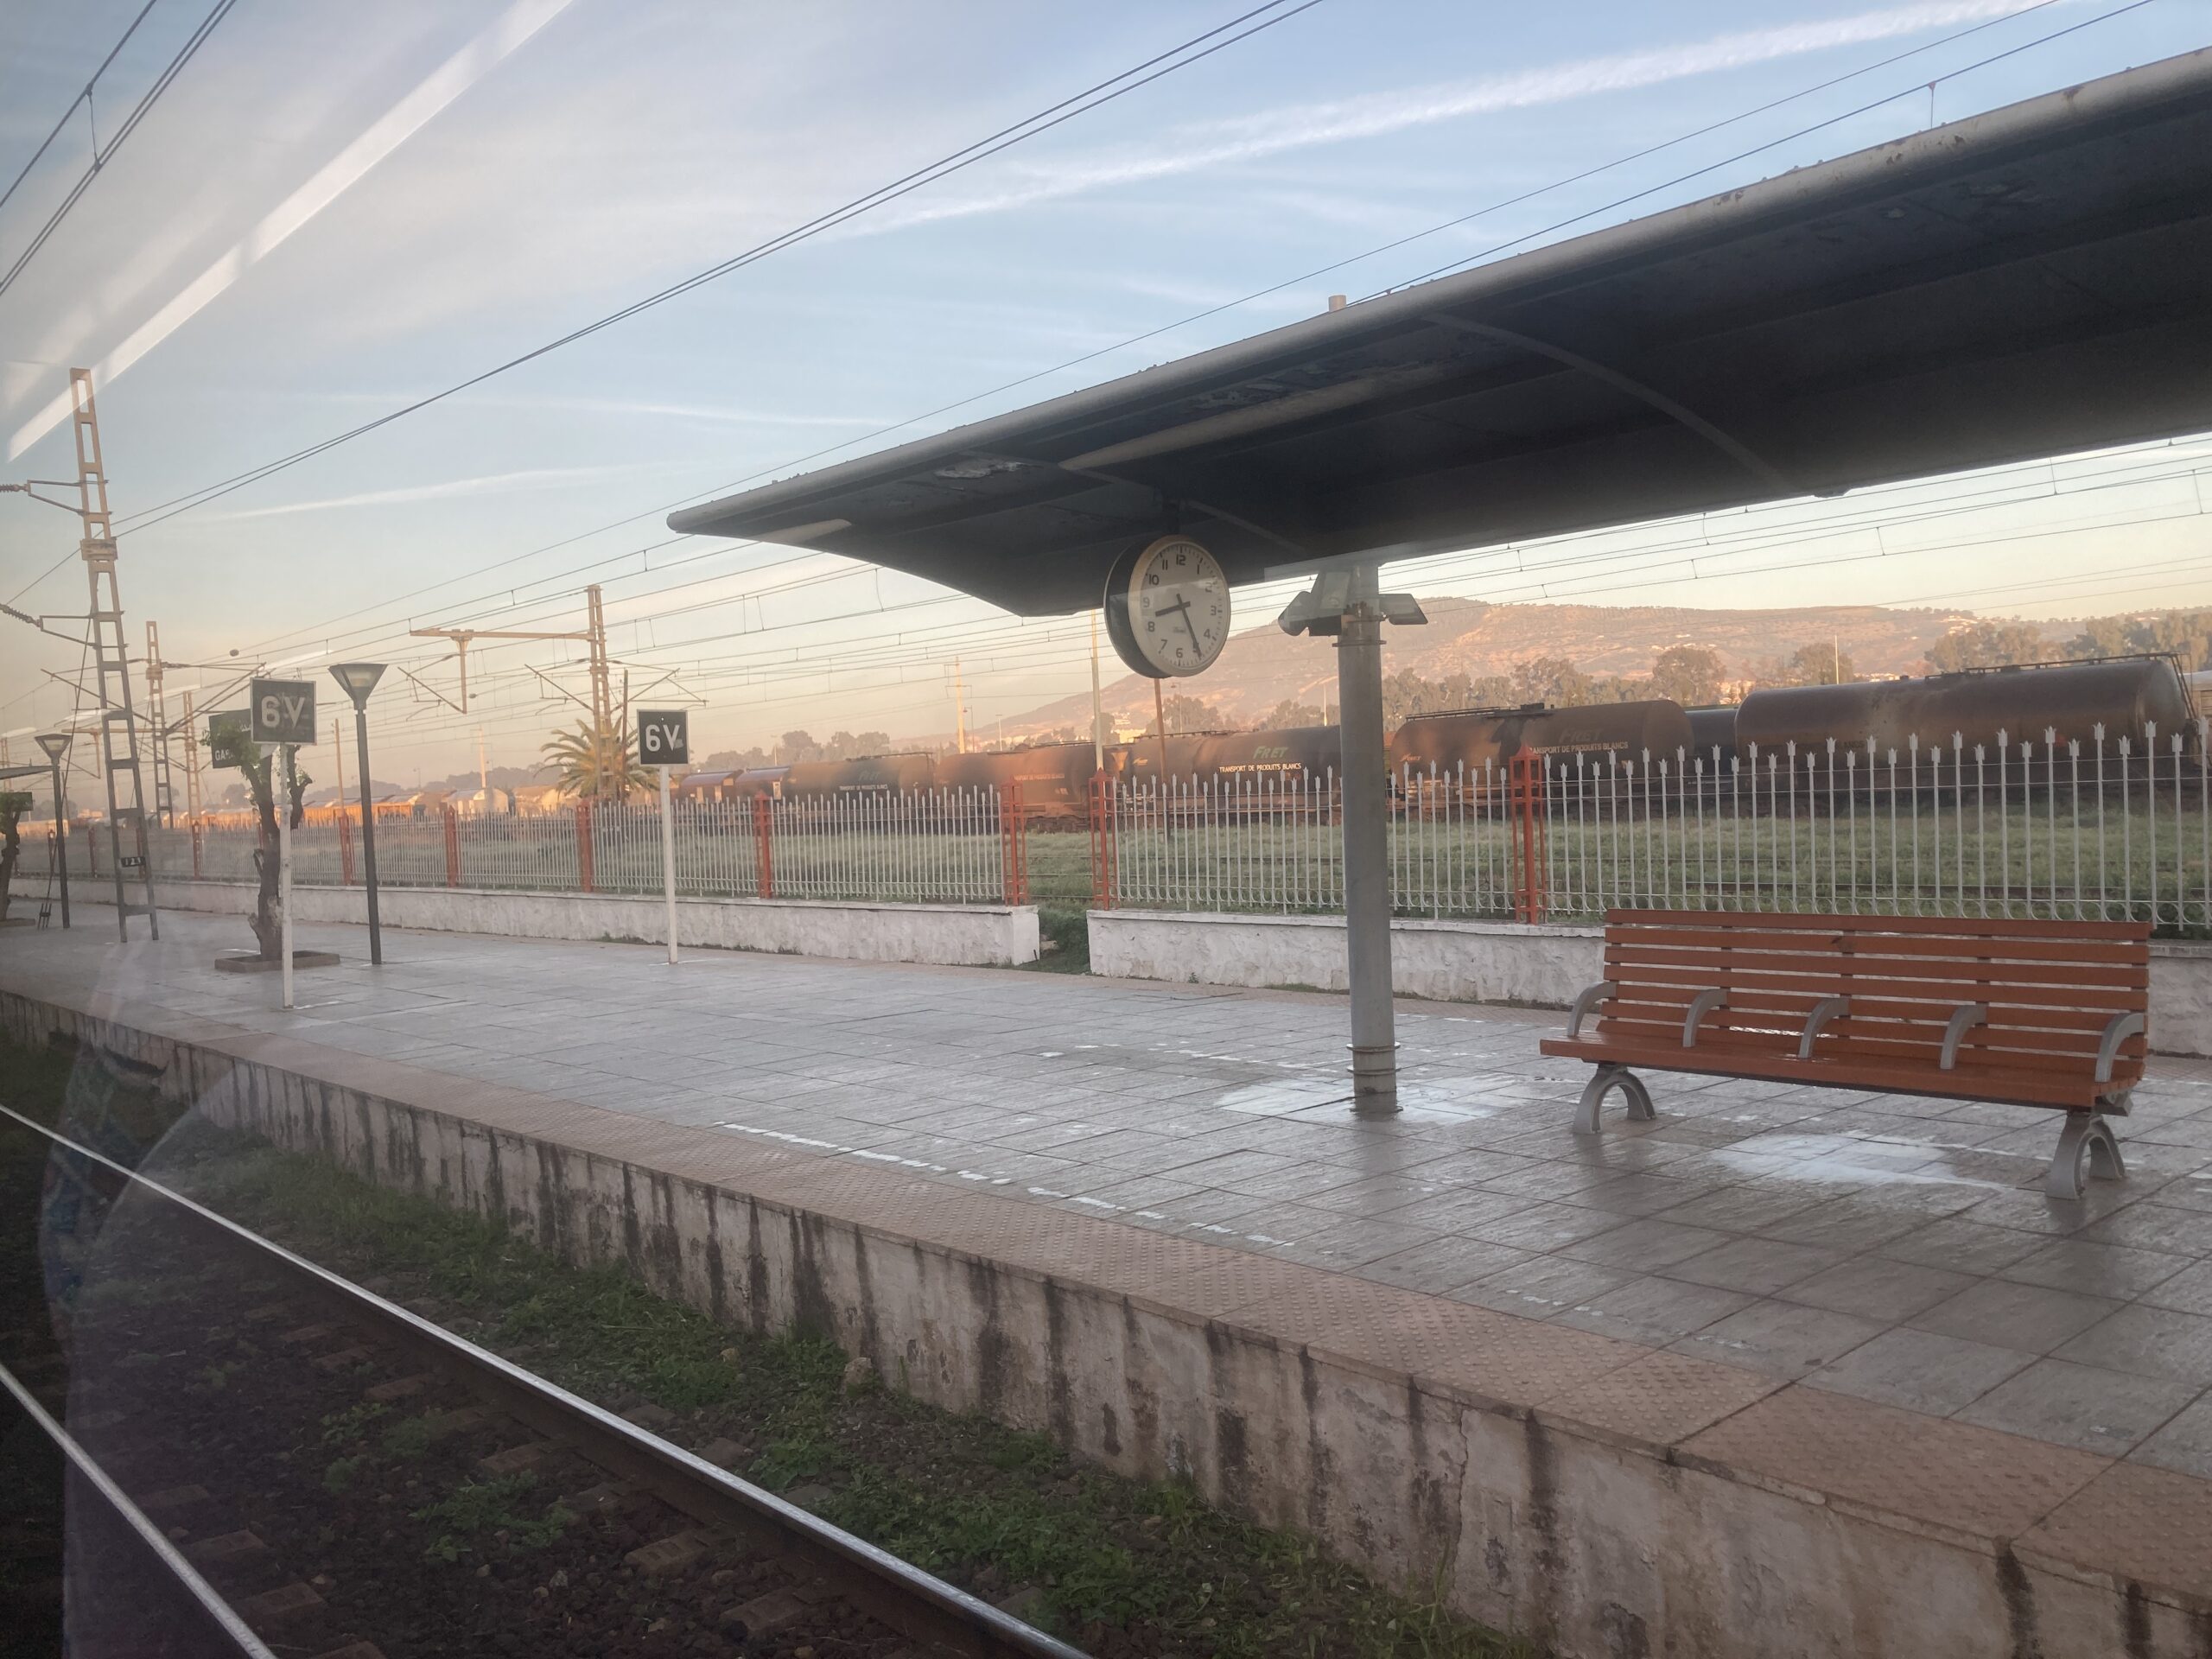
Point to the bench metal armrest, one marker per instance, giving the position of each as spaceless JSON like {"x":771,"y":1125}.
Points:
{"x":2117,"y":1030}
{"x":1973,"y":1014}
{"x":1827,"y":1009}
{"x":1701,"y":1005}
{"x":1603,"y":991}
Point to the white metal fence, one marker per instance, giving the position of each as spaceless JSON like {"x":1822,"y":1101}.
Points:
{"x":948,"y":846}
{"x":2108,"y":827}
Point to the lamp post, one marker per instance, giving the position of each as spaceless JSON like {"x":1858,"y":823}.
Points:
{"x":56,"y":744}
{"x":359,"y":679}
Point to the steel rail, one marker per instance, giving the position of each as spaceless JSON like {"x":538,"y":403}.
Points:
{"x":216,"y":1625}
{"x":916,"y":1604}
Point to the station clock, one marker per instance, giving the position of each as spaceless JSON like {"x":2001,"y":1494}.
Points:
{"x":1167,"y":607}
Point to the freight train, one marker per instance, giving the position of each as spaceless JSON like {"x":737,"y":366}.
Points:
{"x":2121,"y":694}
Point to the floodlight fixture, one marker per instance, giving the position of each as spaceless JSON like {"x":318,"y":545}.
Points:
{"x":358,"y":679}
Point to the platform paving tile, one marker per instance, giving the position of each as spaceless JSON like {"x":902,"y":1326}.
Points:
{"x":1779,"y":1338}
{"x":1443,"y":1264}
{"x":2189,"y":1291}
{"x":2148,"y":1342}
{"x":1961,"y":1246}
{"x":1650,"y":1309}
{"x":1658,"y":1399}
{"x":2183,"y":1442}
{"x":1976,"y":1481}
{"x":1541,"y":1287}
{"x":1760,"y":1266}
{"x":1920,"y":1370}
{"x":2029,"y":1318}
{"x":2134,"y":1521}
{"x":2091,"y":1406}
{"x":1190,"y":1147}
{"x":2090,"y":1269}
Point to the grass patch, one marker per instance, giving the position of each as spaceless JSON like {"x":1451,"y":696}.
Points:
{"x":1065,"y":929}
{"x":476,"y":1507}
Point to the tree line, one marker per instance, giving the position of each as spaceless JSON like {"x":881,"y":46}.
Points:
{"x":2186,"y":634}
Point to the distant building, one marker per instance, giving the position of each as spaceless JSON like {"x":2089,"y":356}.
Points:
{"x":492,"y":802}
{"x":539,"y":797}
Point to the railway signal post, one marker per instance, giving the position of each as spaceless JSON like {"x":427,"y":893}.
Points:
{"x":664,"y":740}
{"x":282,"y":715}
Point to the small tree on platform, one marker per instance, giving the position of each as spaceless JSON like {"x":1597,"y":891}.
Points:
{"x":14,"y":806}
{"x":232,"y":748}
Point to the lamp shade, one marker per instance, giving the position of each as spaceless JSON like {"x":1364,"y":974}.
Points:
{"x":358,"y":679}
{"x":56,"y":744}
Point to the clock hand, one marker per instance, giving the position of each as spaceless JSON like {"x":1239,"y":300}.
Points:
{"x":1182,"y":607}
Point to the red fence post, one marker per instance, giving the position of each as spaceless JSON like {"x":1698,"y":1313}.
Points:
{"x":584,"y":871}
{"x":453,"y":846}
{"x":764,"y":885}
{"x":1014,"y":836}
{"x":1526,"y":795}
{"x":1102,"y":842}
{"x":345,"y":852}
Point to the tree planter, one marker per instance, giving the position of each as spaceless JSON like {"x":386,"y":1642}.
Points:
{"x":249,"y":964}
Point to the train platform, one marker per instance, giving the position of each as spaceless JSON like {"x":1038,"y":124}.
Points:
{"x":1823,"y":1366}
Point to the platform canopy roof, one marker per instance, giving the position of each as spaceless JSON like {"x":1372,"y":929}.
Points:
{"x":2031,"y":281}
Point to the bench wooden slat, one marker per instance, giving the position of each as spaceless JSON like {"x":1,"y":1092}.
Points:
{"x":1721,"y":969}
{"x":1864,"y":947}
{"x":2015,"y":1087}
{"x":1846,"y":1039}
{"x":2075,"y":1049}
{"x":1726,"y":976}
{"x":2089,"y":1011}
{"x":1797,"y":921}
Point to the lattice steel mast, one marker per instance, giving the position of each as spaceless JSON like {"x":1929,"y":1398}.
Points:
{"x":118,"y":726}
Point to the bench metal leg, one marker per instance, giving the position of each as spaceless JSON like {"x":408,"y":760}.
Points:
{"x":2086,"y":1146}
{"x":1608,"y":1077}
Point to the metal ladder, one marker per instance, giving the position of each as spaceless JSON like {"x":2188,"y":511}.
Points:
{"x":118,"y":727}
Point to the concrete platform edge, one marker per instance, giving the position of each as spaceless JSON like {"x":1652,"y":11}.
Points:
{"x":1164,"y":1357}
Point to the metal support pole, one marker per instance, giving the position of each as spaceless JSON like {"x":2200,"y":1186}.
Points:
{"x":1367,"y":867}
{"x":61,"y":843}
{"x":284,"y":864}
{"x":667,"y":861}
{"x":368,"y":835}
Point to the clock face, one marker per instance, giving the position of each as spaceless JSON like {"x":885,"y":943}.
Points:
{"x":1175,"y":606}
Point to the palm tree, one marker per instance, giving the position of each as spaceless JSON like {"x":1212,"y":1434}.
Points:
{"x":591,"y":765}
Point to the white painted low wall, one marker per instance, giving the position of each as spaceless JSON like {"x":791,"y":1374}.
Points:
{"x":1448,"y":962}
{"x":978,"y":936}
{"x":1488,"y":962}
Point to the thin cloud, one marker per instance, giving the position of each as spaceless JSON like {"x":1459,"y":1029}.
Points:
{"x":448,"y":81}
{"x":541,"y":478}
{"x":1255,"y":137}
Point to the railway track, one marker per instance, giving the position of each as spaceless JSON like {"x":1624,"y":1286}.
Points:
{"x":664,"y":1513}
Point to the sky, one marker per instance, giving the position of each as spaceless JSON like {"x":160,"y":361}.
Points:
{"x":331,"y":212}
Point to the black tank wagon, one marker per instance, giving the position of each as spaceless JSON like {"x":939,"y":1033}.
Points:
{"x":1972,"y":708}
{"x":1475,"y":738}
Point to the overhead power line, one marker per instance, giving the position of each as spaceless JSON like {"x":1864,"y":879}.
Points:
{"x":1210,"y":312}
{"x":103,"y":154}
{"x":82,"y":99}
{"x":1194,"y":50}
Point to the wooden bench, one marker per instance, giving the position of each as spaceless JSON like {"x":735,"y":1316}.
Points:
{"x":2023,"y":1012}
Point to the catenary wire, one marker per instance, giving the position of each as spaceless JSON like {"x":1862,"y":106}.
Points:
{"x":1212,"y":311}
{"x":1130,"y":81}
{"x":103,"y":154}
